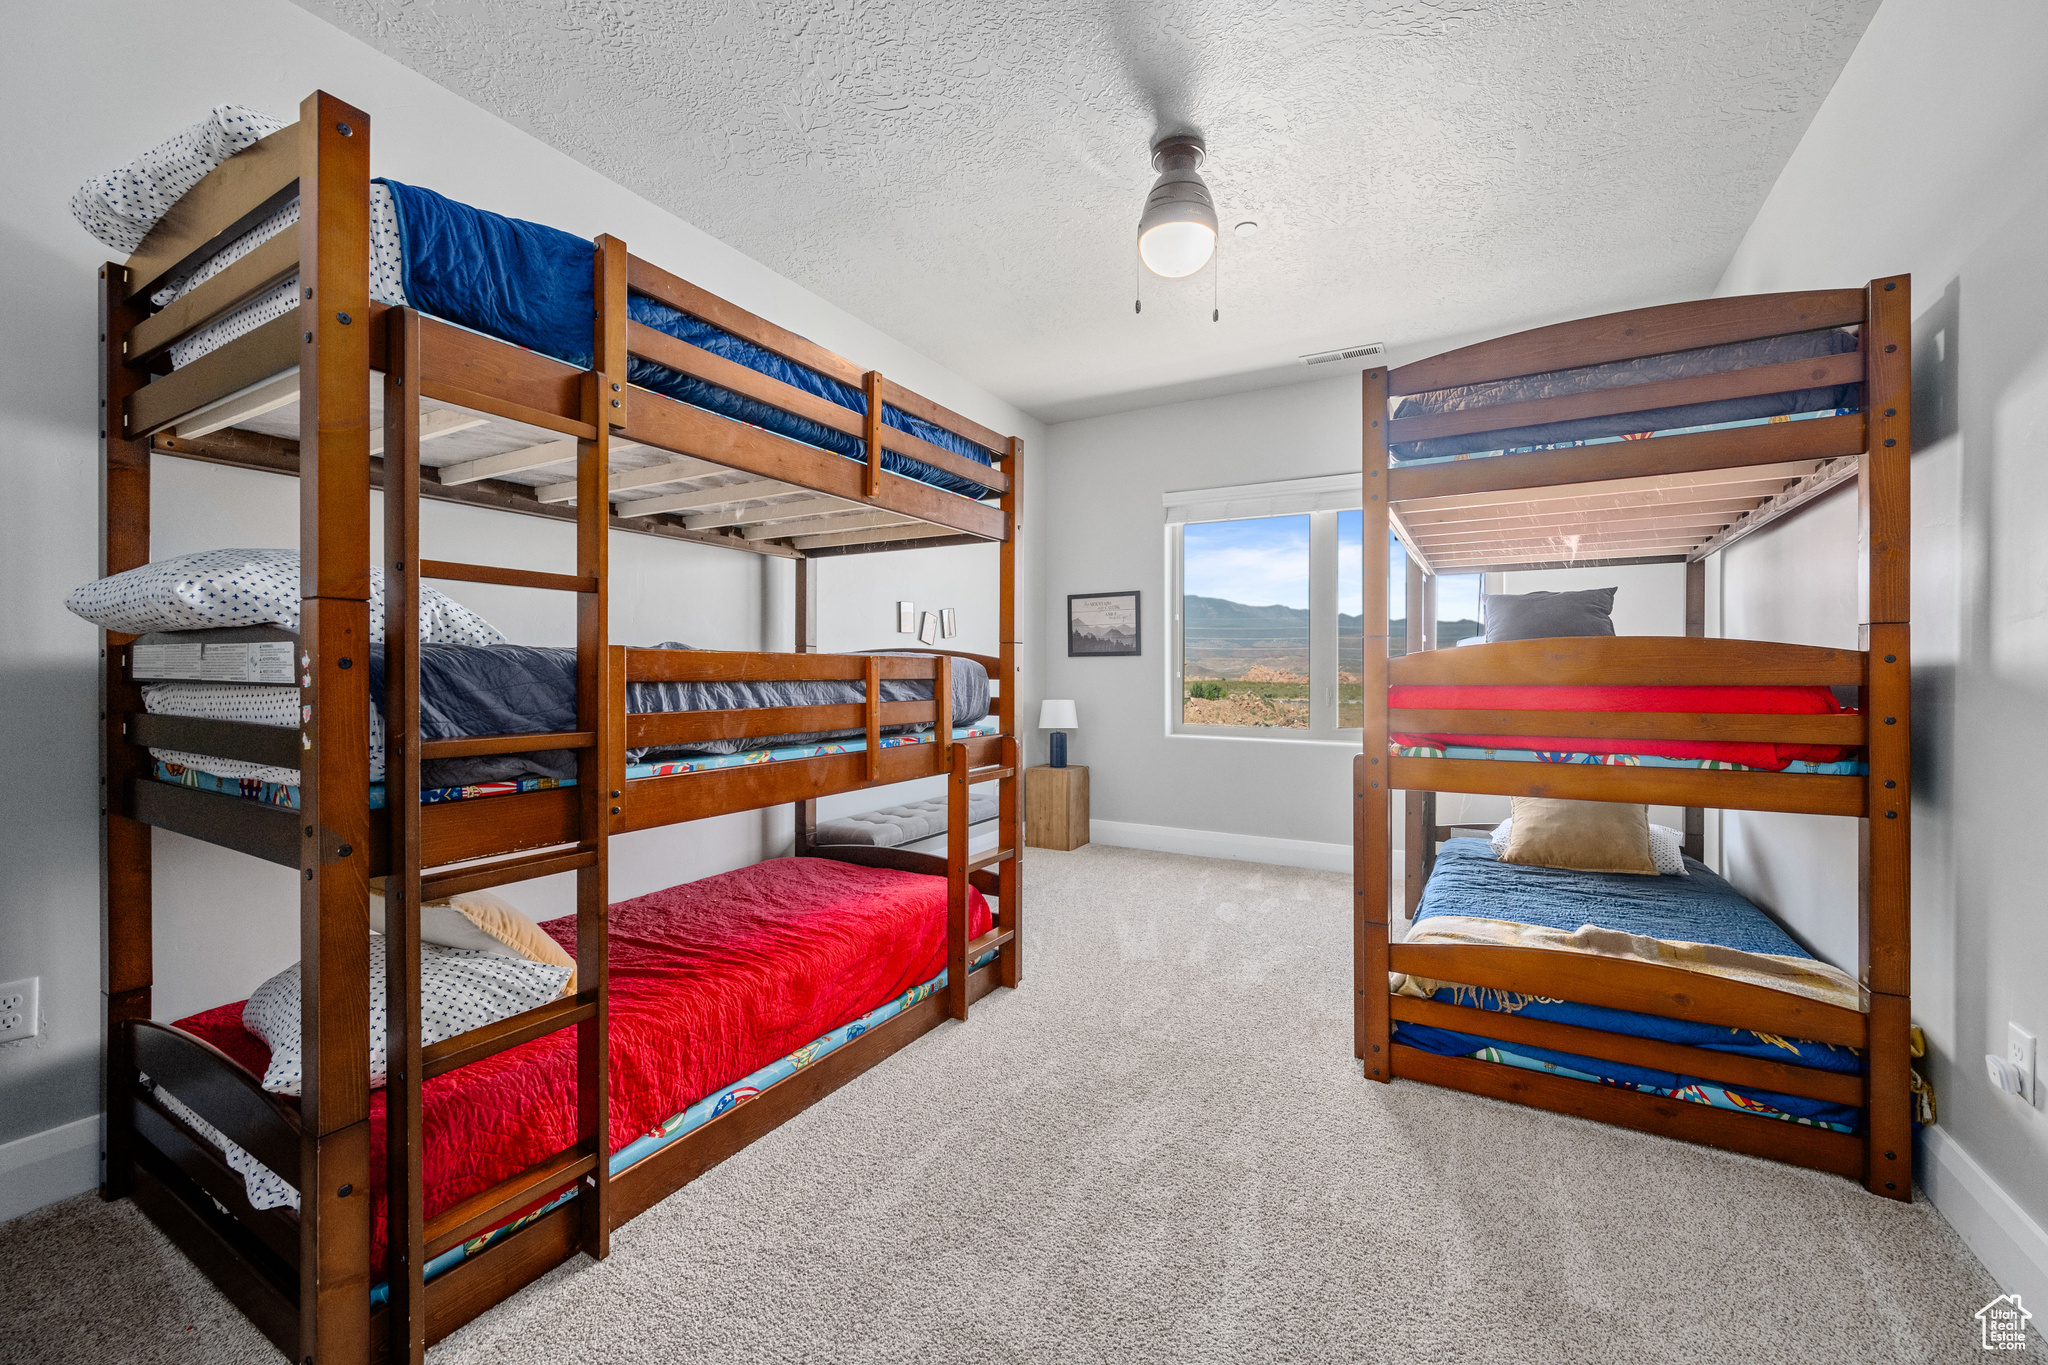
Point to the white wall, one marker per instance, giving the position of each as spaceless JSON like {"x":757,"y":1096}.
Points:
{"x":93,"y":84}
{"x":1931,"y":156}
{"x":1108,"y":533}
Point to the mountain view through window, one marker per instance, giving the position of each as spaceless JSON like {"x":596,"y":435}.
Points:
{"x":1245,"y":620}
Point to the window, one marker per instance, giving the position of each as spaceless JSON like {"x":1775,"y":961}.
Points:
{"x":1268,"y":591}
{"x":1245,"y":623}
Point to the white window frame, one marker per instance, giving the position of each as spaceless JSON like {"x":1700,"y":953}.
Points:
{"x":1321,"y":500}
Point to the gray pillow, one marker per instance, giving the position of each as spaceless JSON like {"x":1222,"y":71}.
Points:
{"x":1546,"y":615}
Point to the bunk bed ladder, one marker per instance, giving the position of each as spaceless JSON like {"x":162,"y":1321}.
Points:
{"x":1006,"y":933}
{"x":413,"y":1239}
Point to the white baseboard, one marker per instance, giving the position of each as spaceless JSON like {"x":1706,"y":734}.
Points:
{"x":47,"y":1166}
{"x":1204,"y":843}
{"x":2012,"y":1246}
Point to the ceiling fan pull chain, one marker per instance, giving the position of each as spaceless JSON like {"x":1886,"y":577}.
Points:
{"x":1137,"y":286}
{"x":1216,"y":289}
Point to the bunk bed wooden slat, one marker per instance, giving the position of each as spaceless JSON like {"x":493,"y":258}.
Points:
{"x":1667,"y":725}
{"x":272,"y":745}
{"x":494,"y":1205}
{"x":713,"y":665}
{"x":917,"y":405}
{"x":216,"y":1088}
{"x":507,"y":578}
{"x":263,"y":831}
{"x":1781,"y":1078}
{"x":1819,"y":438}
{"x":491,"y":1039}
{"x":659,"y":421}
{"x":268,"y":265}
{"x":1800,"y":793}
{"x":663,"y":728}
{"x":1631,"y":335}
{"x":1784,"y":377}
{"x":1795,"y":1144}
{"x":229,"y":200}
{"x":200,"y":1162}
{"x":1633,"y":660}
{"x":1644,"y":987}
{"x":656,"y":283}
{"x":249,"y":360}
{"x":460,"y":1294}
{"x":227,"y":1253}
{"x":653,"y":801}
{"x":506,"y":744}
{"x":504,"y":871}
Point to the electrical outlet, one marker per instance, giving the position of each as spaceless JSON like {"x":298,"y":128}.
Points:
{"x":2019,"y":1054}
{"x":18,"y":1009}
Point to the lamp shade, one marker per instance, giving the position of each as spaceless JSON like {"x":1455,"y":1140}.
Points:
{"x":1177,"y":231}
{"x":1057,"y":715}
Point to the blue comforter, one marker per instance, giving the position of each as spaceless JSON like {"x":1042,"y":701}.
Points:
{"x":532,"y":285}
{"x":468,"y":690}
{"x":1677,"y":365}
{"x":1697,"y":908}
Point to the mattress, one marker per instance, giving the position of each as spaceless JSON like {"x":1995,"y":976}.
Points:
{"x":1741,"y":755}
{"x":287,"y":793}
{"x":719,"y":987}
{"x":1697,"y":908}
{"x":504,"y":689}
{"x":532,"y":285}
{"x":1825,"y":401}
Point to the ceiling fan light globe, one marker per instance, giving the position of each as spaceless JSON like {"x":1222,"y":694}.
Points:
{"x":1175,"y":250}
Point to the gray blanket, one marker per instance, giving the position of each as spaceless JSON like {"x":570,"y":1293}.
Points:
{"x":523,"y":689}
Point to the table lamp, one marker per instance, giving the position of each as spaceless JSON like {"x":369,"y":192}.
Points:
{"x":1058,"y":717}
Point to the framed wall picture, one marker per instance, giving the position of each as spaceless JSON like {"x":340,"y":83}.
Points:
{"x":906,"y":617}
{"x":948,"y":628}
{"x":1102,"y":623}
{"x":928,"y":628}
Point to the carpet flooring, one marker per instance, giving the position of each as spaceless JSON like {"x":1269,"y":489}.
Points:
{"x":1160,"y":1149}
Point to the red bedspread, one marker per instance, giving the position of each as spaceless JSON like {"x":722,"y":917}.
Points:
{"x":710,"y":981}
{"x":1768,"y":701}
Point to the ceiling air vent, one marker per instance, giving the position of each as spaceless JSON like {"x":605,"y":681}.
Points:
{"x":1359,"y":352}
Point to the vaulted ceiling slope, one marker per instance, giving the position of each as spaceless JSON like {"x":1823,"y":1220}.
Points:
{"x":968,"y":176}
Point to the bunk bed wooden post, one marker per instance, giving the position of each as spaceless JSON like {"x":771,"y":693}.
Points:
{"x":1010,"y":896}
{"x":1696,"y":627}
{"x":1418,"y":809}
{"x":126,"y":885}
{"x":405,"y":1194}
{"x":597,"y":766}
{"x":1429,"y":839}
{"x":1884,"y":498}
{"x":334,"y":545}
{"x":1370,"y":772}
{"x":806,"y":576}
{"x":957,"y":793}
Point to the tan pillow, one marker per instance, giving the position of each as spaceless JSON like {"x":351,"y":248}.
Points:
{"x":484,"y":923}
{"x":1584,"y":836}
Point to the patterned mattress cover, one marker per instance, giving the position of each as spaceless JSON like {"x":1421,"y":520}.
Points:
{"x":284,"y":794}
{"x":1855,"y":767}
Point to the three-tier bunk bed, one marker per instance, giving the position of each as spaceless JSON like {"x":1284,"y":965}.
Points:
{"x":782,"y":448}
{"x":1662,"y":435}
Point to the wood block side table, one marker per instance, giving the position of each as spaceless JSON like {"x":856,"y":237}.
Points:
{"x":1056,"y":807}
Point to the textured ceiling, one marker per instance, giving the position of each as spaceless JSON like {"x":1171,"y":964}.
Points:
{"x":967,"y":177}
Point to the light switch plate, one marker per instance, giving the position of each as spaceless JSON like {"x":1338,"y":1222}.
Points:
{"x":2019,"y":1052}
{"x":18,"y":1002}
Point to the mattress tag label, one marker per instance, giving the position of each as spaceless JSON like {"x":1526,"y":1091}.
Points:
{"x":177,"y":662}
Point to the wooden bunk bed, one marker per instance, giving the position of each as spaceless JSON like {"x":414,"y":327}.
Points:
{"x":306,"y":1279}
{"x":1675,"y":496}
